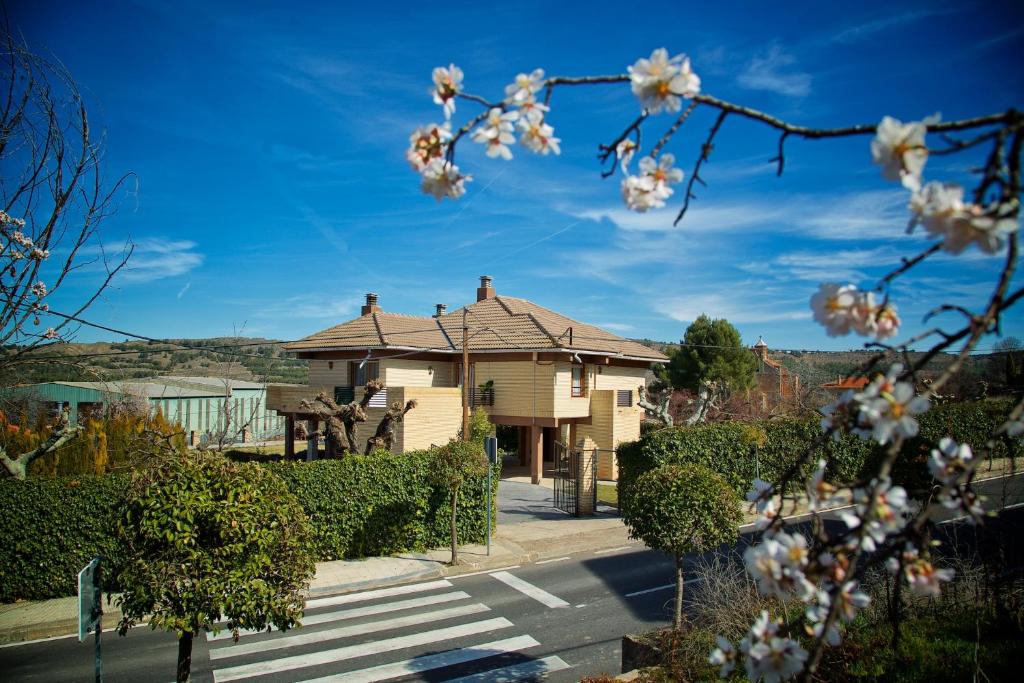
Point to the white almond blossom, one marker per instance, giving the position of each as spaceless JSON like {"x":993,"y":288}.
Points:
{"x":764,"y":503}
{"x":723,"y":656}
{"x":921,"y":575}
{"x":850,"y":600}
{"x":51,"y":333}
{"x":886,"y":514}
{"x":888,"y":408}
{"x":840,"y":414}
{"x":6,"y":218}
{"x":1012,"y":428}
{"x":651,"y":188}
{"x":496,"y":132}
{"x":817,"y":613}
{"x":659,"y":82}
{"x":820,"y":493}
{"x":525,"y":87}
{"x":426,"y":143}
{"x":624,"y":152}
{"x":39,"y":254}
{"x":39,"y":289}
{"x":841,"y":309}
{"x":768,"y":655}
{"x":777,"y":565}
{"x":538,"y":136}
{"x":20,"y":238}
{"x":941,"y":209}
{"x":900,"y":150}
{"x":443,"y":179}
{"x":534,"y":111}
{"x":447,"y":84}
{"x":950,"y":461}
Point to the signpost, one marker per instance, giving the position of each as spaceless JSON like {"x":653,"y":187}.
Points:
{"x":90,"y":608}
{"x":491,"y":448}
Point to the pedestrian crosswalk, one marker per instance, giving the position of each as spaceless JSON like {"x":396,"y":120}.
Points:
{"x":428,"y":631}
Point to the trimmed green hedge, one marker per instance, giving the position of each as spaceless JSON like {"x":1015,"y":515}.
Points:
{"x":52,"y":527}
{"x":361,"y":506}
{"x":739,"y":451}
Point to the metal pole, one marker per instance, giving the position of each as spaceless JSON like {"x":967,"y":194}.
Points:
{"x":465,"y":378}
{"x":488,"y":506}
{"x":98,"y":612}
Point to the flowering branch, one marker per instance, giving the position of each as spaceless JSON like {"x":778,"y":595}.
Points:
{"x":705,"y":152}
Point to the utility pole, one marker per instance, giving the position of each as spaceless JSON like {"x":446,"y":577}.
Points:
{"x":465,"y":377}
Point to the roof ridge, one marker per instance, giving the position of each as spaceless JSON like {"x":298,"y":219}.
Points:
{"x":444,"y":332}
{"x":380,"y":333}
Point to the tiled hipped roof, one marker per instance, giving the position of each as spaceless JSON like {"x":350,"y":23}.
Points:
{"x":499,"y":323}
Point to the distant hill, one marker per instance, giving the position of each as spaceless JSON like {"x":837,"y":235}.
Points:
{"x":248,"y":358}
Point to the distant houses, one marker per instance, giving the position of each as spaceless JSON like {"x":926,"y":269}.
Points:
{"x":234,"y":409}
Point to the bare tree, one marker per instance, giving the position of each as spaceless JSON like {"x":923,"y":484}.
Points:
{"x":340,"y":420}
{"x":384,"y":437}
{"x":53,"y":198}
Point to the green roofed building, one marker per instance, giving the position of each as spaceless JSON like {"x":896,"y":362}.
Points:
{"x":199,"y":405}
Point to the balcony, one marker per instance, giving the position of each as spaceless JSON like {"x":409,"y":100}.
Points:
{"x":481,"y":397}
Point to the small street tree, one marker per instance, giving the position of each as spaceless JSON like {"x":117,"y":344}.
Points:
{"x":681,"y":509}
{"x":453,"y":465}
{"x":209,"y":539}
{"x":711,"y":351}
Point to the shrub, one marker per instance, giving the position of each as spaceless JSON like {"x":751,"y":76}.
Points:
{"x":364,"y":505}
{"x":52,"y":527}
{"x":209,"y":539}
{"x":740,"y":451}
{"x":681,"y":509}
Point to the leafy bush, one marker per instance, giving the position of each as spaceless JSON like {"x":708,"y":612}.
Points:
{"x":209,"y":539}
{"x":52,"y":527}
{"x":681,"y":509}
{"x":364,"y":505}
{"x":741,"y":451}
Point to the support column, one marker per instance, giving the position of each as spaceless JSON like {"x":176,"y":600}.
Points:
{"x":312,"y":439}
{"x":585,"y":483}
{"x":289,"y":437}
{"x":536,"y":454}
{"x":523,"y":445}
{"x":572,"y":436}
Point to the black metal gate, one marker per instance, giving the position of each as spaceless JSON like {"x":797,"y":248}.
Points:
{"x":569,"y":471}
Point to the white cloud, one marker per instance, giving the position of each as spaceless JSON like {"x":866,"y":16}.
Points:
{"x":853,"y":34}
{"x":737,"y":310}
{"x":770,"y":72}
{"x":843,"y":265}
{"x":181,"y":292}
{"x":617,"y":327}
{"x":156,"y":259}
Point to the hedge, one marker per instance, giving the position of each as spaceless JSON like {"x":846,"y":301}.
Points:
{"x":740,"y":451}
{"x":360,"y":506}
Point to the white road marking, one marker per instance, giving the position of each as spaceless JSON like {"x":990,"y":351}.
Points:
{"x":361,"y":650}
{"x":378,"y":593}
{"x":612,"y":550}
{"x":538,"y":594}
{"x":345,"y":631}
{"x":369,"y":610}
{"x":557,"y":559}
{"x":963,"y":517}
{"x":430,"y":662}
{"x":660,"y":588}
{"x":484,"y":571}
{"x":651,"y":590}
{"x":516,"y":672}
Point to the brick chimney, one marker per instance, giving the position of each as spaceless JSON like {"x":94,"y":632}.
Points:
{"x":441,"y":310}
{"x":371,"y":304}
{"x":485,"y":290}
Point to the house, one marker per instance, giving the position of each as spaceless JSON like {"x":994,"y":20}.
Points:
{"x":776,"y":386}
{"x":199,"y":405}
{"x":553,"y":378}
{"x":842,"y":384}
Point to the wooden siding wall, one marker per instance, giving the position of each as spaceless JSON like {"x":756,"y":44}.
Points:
{"x":517,"y":390}
{"x":618,"y":377}
{"x":436,"y":419}
{"x":566,"y":405}
{"x":322,"y":375}
{"x":416,"y":373}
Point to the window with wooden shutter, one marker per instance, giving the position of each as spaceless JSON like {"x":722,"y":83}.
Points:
{"x":579,"y":380}
{"x":359,"y":376}
{"x":624,"y":398}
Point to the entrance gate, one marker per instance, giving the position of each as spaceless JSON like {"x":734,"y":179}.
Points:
{"x":575,"y":480}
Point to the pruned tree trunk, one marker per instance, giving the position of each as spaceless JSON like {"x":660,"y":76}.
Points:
{"x":455,"y":530}
{"x":384,"y":437}
{"x":658,"y":411}
{"x":680,"y":587}
{"x":340,"y":420}
{"x":184,"y":656}
{"x":707,"y":397}
{"x":62,"y":433}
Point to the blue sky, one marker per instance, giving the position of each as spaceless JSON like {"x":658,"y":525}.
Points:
{"x":268,"y":140}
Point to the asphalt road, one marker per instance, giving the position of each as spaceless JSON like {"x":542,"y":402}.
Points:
{"x":564,"y":616}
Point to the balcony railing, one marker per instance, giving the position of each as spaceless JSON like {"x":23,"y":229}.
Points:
{"x":481,"y":397}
